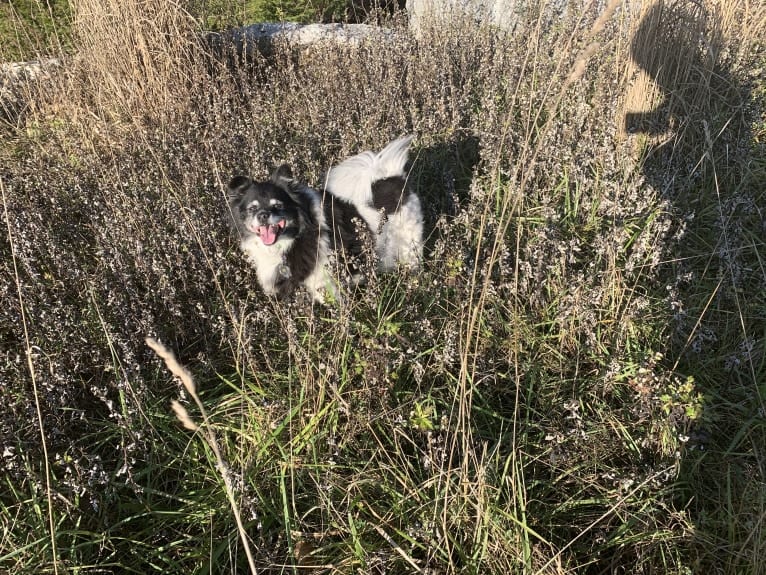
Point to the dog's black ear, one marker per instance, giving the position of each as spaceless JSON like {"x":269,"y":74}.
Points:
{"x":237,"y":187}
{"x":282,"y":174}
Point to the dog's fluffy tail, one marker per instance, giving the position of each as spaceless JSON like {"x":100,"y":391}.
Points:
{"x":352,"y":179}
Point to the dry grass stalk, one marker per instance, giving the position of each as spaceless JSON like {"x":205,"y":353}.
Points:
{"x":172,"y":364}
{"x":183,"y":416}
{"x":133,"y":57}
{"x":590,"y":50}
{"x":35,"y":388}
{"x":207,"y":433}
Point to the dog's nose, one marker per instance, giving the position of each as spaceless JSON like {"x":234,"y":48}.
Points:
{"x":262,"y":217}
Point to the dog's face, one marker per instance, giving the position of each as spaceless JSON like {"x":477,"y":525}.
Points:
{"x":267,"y":209}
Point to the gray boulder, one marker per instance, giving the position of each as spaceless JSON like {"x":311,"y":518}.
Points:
{"x":501,"y":14}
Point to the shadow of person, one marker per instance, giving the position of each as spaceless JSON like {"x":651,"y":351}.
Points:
{"x":676,"y":46}
{"x":696,"y":147}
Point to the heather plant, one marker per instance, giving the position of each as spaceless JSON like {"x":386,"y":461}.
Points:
{"x":573,"y":382}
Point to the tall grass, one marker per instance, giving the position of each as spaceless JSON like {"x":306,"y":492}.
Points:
{"x":29,"y":27}
{"x":572,"y":383}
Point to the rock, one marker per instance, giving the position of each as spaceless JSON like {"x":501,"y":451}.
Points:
{"x":262,"y":38}
{"x":501,"y":14}
{"x":15,"y":78}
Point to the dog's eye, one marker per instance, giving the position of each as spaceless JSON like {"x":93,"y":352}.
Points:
{"x":277,"y":205}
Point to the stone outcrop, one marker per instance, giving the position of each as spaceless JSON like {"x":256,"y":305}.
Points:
{"x":262,"y":38}
{"x":501,"y":14}
{"x":14,"y":81}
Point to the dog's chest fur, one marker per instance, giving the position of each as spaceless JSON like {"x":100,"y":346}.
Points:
{"x":270,"y":262}
{"x":288,"y":263}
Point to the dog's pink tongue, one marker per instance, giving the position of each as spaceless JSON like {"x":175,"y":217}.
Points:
{"x":268,"y":234}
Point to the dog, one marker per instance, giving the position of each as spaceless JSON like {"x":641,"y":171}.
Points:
{"x":295,"y":235}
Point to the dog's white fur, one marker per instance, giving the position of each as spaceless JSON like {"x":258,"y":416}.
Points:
{"x":399,"y":238}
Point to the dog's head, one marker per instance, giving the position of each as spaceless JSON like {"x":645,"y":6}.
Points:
{"x":273,"y":210}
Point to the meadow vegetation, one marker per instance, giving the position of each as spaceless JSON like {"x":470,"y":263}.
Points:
{"x":574,"y":382}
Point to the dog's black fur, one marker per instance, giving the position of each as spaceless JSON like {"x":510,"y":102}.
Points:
{"x":390,"y":193}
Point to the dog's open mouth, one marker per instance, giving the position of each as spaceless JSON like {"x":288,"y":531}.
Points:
{"x":269,"y":234}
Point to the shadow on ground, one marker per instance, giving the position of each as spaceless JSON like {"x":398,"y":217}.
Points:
{"x":699,"y":149}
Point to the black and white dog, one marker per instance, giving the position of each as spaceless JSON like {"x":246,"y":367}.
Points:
{"x":290,"y":232}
